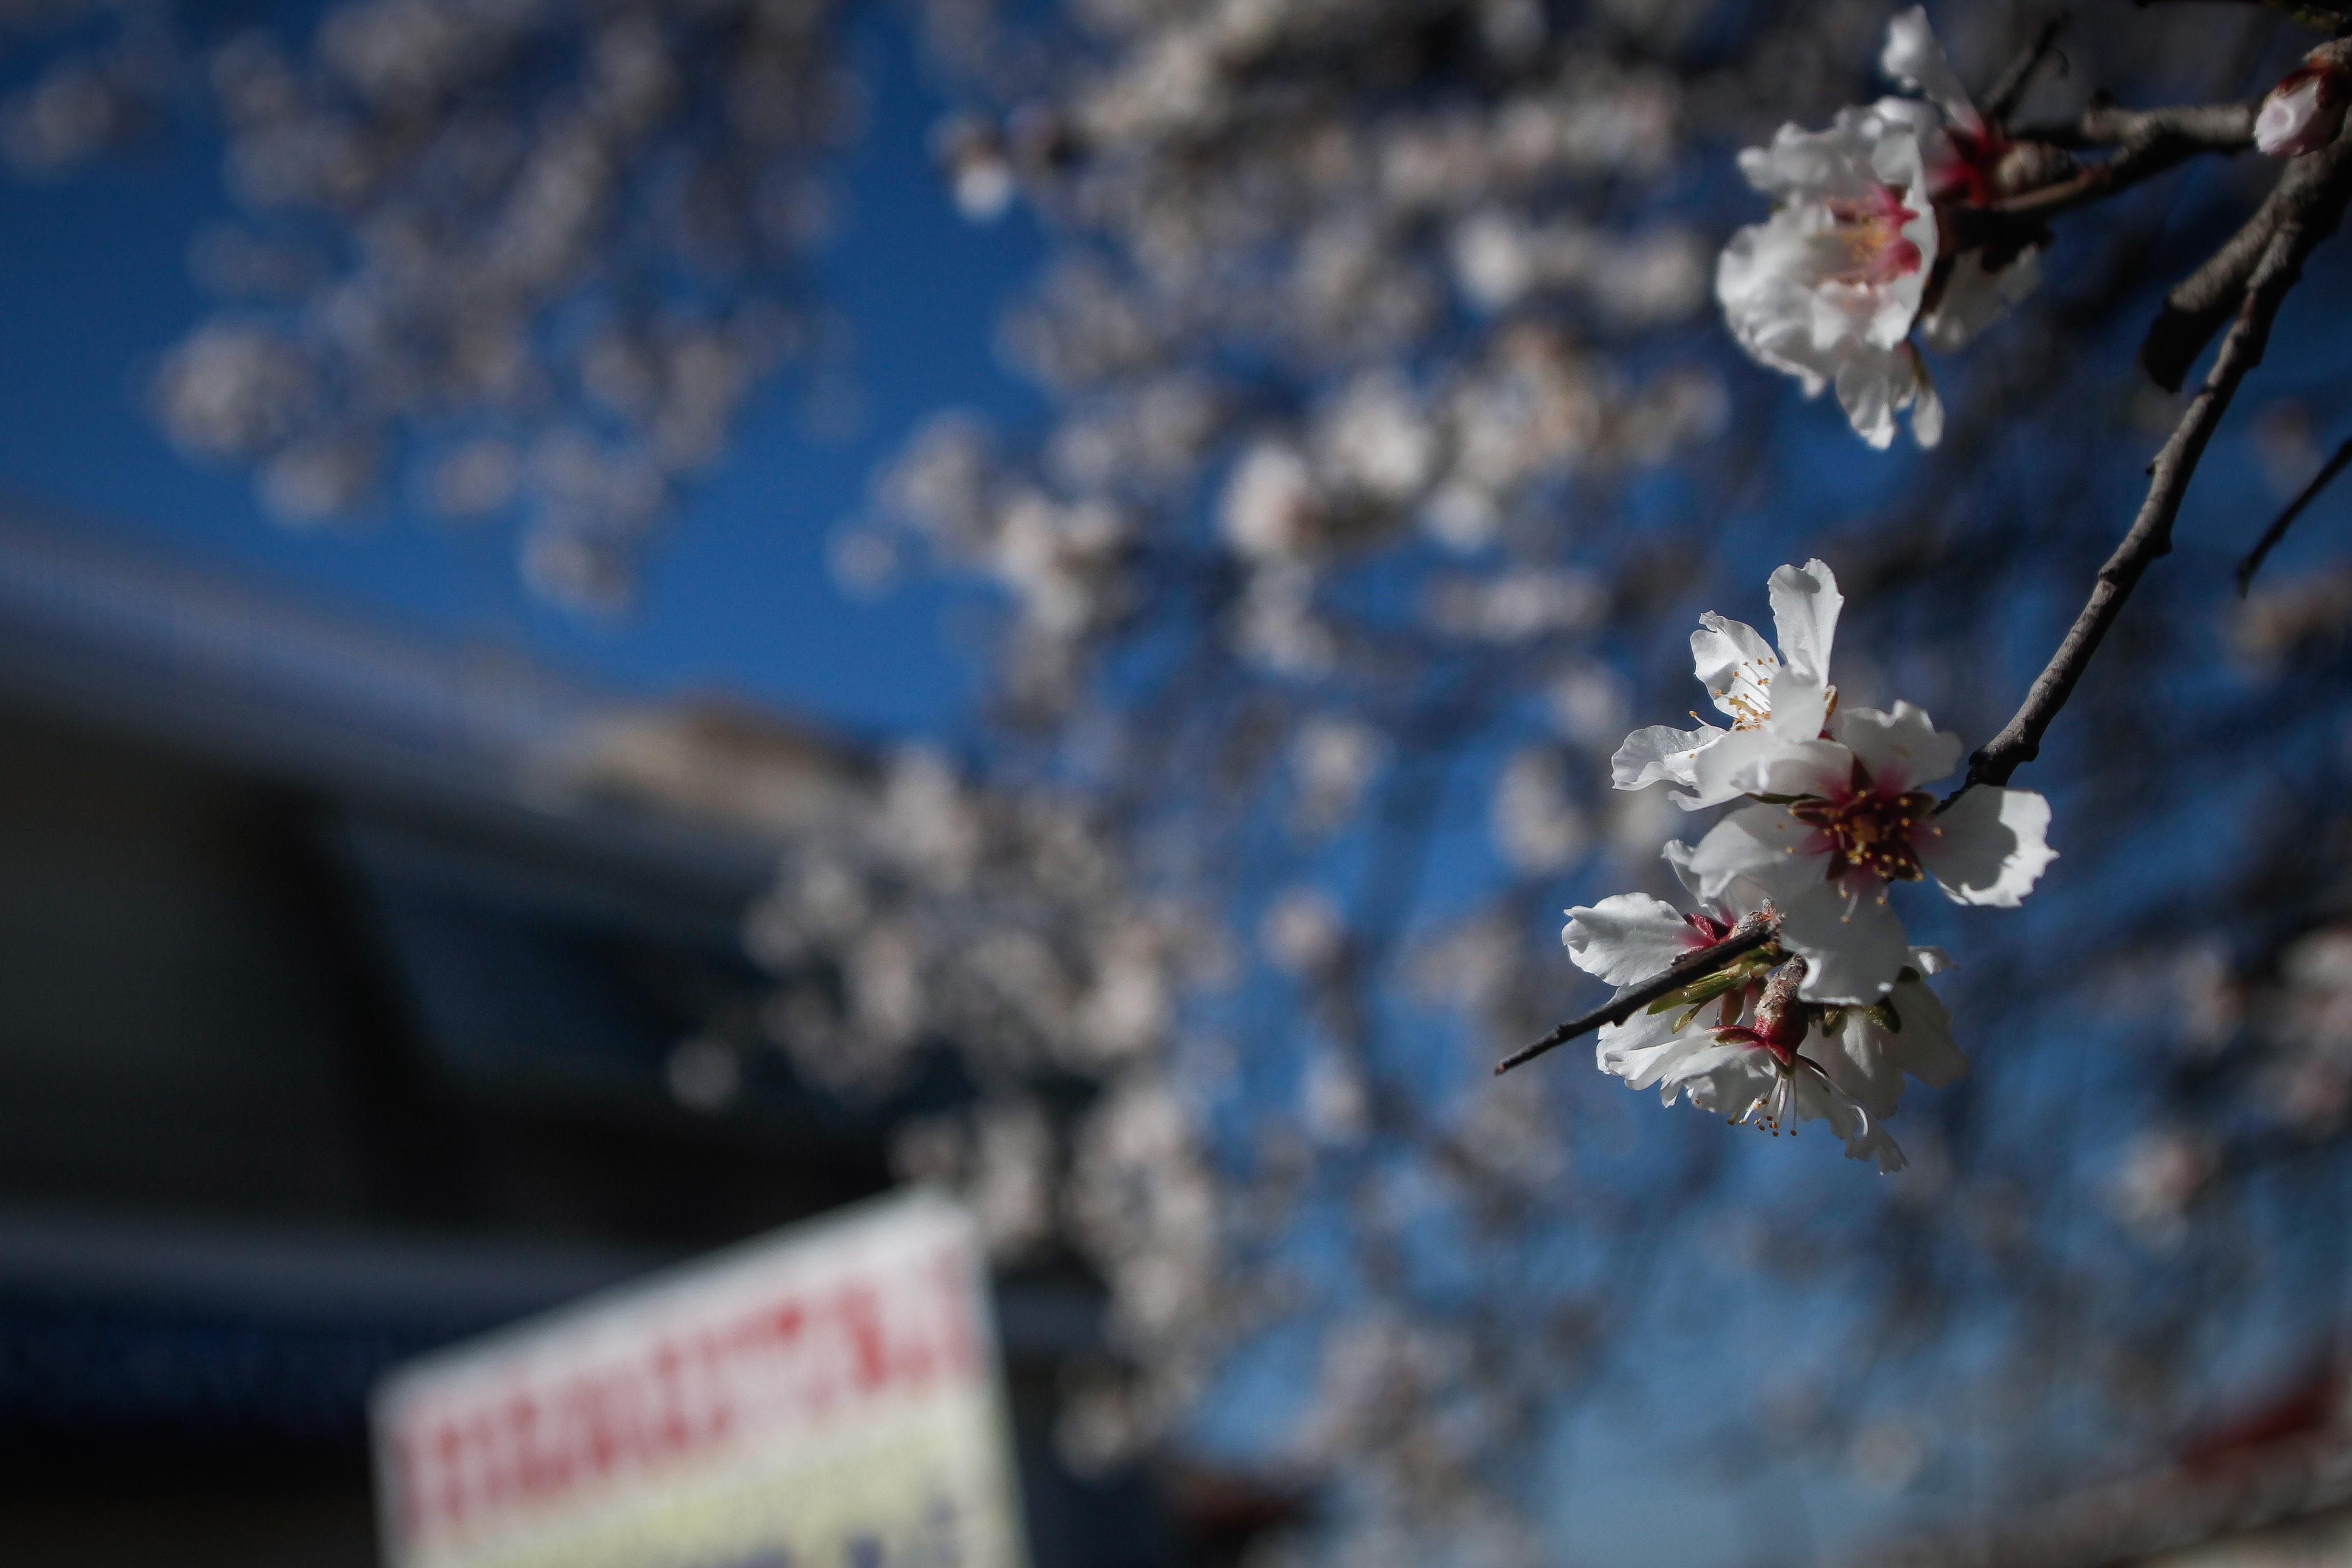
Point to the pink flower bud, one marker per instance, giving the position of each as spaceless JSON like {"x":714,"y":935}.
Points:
{"x":2303,"y":112}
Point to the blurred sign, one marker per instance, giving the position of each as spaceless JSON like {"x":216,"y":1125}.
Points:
{"x":826,"y":1397}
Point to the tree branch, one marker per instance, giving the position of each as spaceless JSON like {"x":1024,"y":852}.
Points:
{"x":2277,"y":530}
{"x":2202,"y":301}
{"x":2308,"y":204}
{"x":2187,"y":128}
{"x":1690,"y":967}
{"x":2328,"y":15}
{"x":2147,"y":142}
{"x":2000,"y":102}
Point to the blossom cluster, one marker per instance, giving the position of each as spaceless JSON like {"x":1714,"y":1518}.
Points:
{"x":1824,"y":1019}
{"x":513,"y":260}
{"x":920,"y":907}
{"x":1856,"y":260}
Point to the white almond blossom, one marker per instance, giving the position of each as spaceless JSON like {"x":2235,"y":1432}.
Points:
{"x":1772,"y":699}
{"x":1830,"y":288}
{"x":1631,"y":937}
{"x":1749,"y":1078}
{"x":1768,"y":1058}
{"x":1845,"y":818}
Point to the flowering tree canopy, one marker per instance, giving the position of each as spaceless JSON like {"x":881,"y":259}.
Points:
{"x":1394,"y":437}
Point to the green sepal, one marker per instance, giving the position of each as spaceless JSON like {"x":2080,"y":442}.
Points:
{"x":1741,"y":971}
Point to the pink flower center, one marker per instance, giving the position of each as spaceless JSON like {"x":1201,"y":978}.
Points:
{"x":1871,"y":231}
{"x":1968,"y":180}
{"x":1869,"y":829}
{"x":1783,"y":1048}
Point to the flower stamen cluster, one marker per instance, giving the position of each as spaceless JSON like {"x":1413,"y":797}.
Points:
{"x":1869,"y":830}
{"x":1869,"y":231}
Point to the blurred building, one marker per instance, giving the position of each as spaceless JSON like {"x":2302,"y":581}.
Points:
{"x":362,"y":993}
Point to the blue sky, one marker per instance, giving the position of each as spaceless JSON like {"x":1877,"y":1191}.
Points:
{"x":95,"y":286}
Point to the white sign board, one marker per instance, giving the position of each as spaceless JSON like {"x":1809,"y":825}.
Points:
{"x":826,"y":1397}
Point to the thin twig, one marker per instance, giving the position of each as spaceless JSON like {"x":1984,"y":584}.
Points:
{"x":2277,"y":531}
{"x":2328,"y":15}
{"x":2147,"y":142}
{"x":1690,"y":967}
{"x":2310,"y":204}
{"x":2190,"y":127}
{"x":2202,"y":301}
{"x":2000,"y":102}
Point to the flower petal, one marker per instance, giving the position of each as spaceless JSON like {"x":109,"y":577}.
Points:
{"x":1990,"y":846}
{"x":1646,"y":1050}
{"x":1868,"y":1062}
{"x":1923,"y":1047}
{"x":1765,"y":301}
{"x":1739,"y":896}
{"x":1735,"y":765}
{"x":1818,"y":1099}
{"x":1974,"y":298}
{"x":1804,"y":767}
{"x":1762,"y":843}
{"x":1927,"y":404}
{"x":1914,"y":58}
{"x":1723,"y":1079}
{"x":1805,"y":606}
{"x":1870,"y":388}
{"x":1800,"y":706}
{"x":1735,"y":665}
{"x":1853,"y":947}
{"x":1678,"y":856}
{"x":1628,"y":938}
{"x":1660,"y":753}
{"x":1902,"y":750}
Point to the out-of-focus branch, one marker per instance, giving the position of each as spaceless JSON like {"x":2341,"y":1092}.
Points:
{"x":2198,"y":305}
{"x":2328,"y":15}
{"x":2178,"y":131}
{"x":2202,"y":301}
{"x":2306,"y":209}
{"x":2146,"y":141}
{"x":1753,"y":933}
{"x":2000,"y":102}
{"x":2277,"y":530}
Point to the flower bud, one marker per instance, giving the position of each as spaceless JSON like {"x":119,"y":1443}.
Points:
{"x":2305,"y":111}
